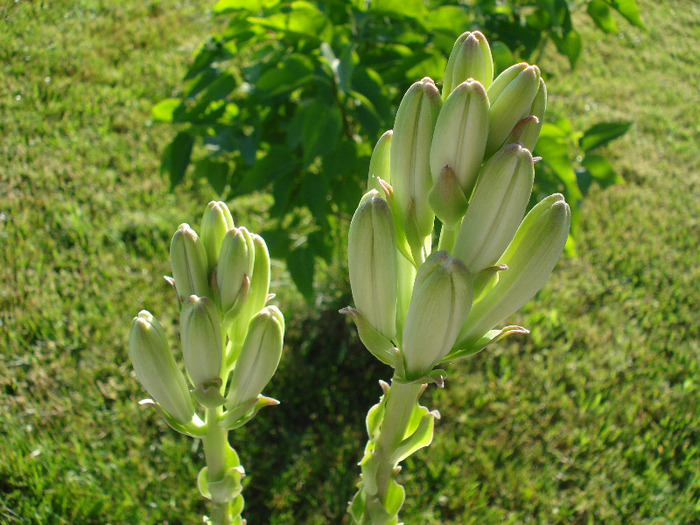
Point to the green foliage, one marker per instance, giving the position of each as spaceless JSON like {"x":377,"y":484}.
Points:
{"x":290,"y":97}
{"x":592,"y":418}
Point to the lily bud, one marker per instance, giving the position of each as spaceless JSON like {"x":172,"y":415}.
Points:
{"x":538,"y":108}
{"x":372,"y":259}
{"x":410,"y":160}
{"x":470,"y":58}
{"x":259,"y":357}
{"x":156,"y":368}
{"x":511,"y":95}
{"x":188,"y":259}
{"x":442,"y":296}
{"x":200,"y":334}
{"x":530,"y":257}
{"x":459,"y":141}
{"x":379,"y":162}
{"x":235,"y":265}
{"x":216,"y":221}
{"x":496,"y":208}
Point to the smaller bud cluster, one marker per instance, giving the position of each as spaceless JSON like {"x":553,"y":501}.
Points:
{"x":231,"y":342}
{"x":465,"y":157}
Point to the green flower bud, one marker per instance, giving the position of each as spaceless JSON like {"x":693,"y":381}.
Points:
{"x":188,"y":259}
{"x":442,"y":296}
{"x":235,"y":266}
{"x":527,"y":130}
{"x":470,"y":58}
{"x":372,"y":255}
{"x":379,"y":162}
{"x":200,"y":334}
{"x":156,"y":369}
{"x":496,"y":208}
{"x":216,"y":221}
{"x":257,"y":297}
{"x":410,"y":160}
{"x":511,"y":95}
{"x":532,"y":132}
{"x":459,"y":141}
{"x":530,"y":257}
{"x":259,"y":357}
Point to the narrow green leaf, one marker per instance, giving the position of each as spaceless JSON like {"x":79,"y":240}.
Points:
{"x":602,"y":133}
{"x":301,"y":266}
{"x":176,"y":157}
{"x":600,"y":12}
{"x":163,"y":110}
{"x":628,"y":9}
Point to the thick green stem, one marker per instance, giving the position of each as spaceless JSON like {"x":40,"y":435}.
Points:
{"x":401,"y":400}
{"x":215,"y":452}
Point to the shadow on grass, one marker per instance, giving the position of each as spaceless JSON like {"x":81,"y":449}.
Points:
{"x":302,"y":456}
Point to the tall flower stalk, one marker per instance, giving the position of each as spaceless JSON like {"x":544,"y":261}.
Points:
{"x":231,"y":346}
{"x":422,"y":299}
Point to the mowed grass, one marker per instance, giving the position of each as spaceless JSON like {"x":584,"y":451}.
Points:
{"x":593,"y":418}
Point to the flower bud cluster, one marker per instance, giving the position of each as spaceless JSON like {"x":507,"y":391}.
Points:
{"x":231,"y":341}
{"x":465,"y":157}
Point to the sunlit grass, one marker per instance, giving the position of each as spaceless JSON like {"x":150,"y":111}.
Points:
{"x":591,"y":419}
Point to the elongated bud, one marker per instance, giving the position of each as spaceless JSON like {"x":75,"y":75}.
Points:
{"x":216,"y":221}
{"x":442,"y":296}
{"x":530,"y":258}
{"x":259,"y":357}
{"x":188,"y":259}
{"x":539,"y":106}
{"x":256,"y":299}
{"x":235,"y":265}
{"x":511,"y":96}
{"x":379,"y":163}
{"x":372,"y":254}
{"x":496,"y":208}
{"x":459,"y":141}
{"x":156,"y":368}
{"x":470,"y":58}
{"x":410,"y":159}
{"x":200,"y":334}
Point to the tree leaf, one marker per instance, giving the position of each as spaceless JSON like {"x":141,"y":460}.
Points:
{"x":227,"y":6}
{"x":163,"y":110}
{"x":601,"y":170}
{"x":321,"y":129}
{"x":176,"y":157}
{"x":302,"y":265}
{"x":303,"y":19}
{"x":400,"y":8}
{"x":289,"y":74}
{"x":602,"y":133}
{"x":570,"y":45}
{"x":628,"y":9}
{"x":216,"y":172}
{"x":600,"y":12}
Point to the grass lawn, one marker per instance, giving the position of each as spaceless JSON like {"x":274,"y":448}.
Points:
{"x":593,"y":418}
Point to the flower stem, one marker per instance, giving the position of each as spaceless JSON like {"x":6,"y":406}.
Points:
{"x":400,"y":403}
{"x":219,"y":455}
